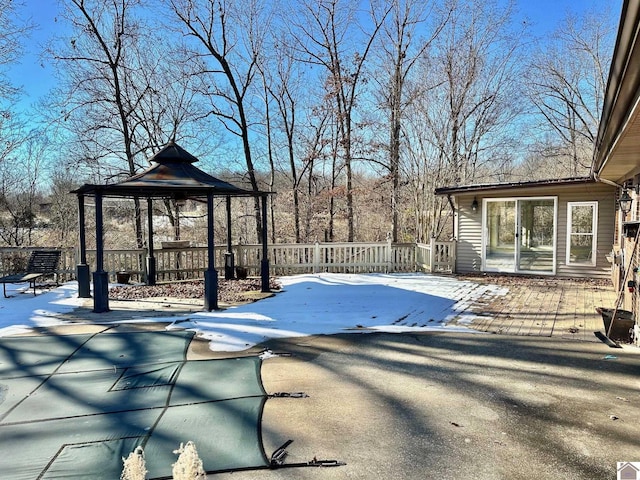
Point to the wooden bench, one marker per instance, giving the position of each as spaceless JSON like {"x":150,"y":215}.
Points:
{"x":41,"y":263}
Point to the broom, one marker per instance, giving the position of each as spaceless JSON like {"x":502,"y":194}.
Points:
{"x":598,"y":334}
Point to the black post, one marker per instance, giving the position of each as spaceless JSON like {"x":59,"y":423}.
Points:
{"x":151,"y":259}
{"x":100,"y":277}
{"x":82,"y":268}
{"x":211,"y":275}
{"x":264,"y":263}
{"x":229,"y":260}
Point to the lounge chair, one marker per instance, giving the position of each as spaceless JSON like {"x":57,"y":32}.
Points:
{"x":41,"y":263}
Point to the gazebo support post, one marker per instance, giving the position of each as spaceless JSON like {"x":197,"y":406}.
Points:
{"x":210,"y":275}
{"x":264,"y":263}
{"x":151,"y":259}
{"x":82,"y":268}
{"x":229,"y":260}
{"x":100,"y":277}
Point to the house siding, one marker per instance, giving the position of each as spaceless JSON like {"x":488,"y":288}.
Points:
{"x":469,"y":235}
{"x":469,"y":225}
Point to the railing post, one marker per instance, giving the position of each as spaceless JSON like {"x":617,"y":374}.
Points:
{"x":432,"y":254}
{"x":389,"y":254}
{"x":316,"y":257}
{"x":142,"y":264}
{"x":452,"y":256}
{"x":241,"y":255}
{"x":229,"y":260}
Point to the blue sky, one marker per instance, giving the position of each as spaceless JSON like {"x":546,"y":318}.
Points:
{"x":546,"y":14}
{"x":37,"y":78}
{"x":31,"y":73}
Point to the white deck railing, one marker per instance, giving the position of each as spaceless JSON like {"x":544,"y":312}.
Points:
{"x":436,"y":256}
{"x":284,"y":259}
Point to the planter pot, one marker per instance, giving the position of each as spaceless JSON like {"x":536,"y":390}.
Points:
{"x":123,"y":277}
{"x":241,"y":273}
{"x":623,"y":323}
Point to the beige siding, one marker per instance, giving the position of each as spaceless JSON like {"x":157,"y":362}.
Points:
{"x":469,"y":224}
{"x":469,"y":247}
{"x":605,"y":196}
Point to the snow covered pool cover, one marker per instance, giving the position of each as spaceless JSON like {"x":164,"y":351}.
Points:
{"x":73,"y":406}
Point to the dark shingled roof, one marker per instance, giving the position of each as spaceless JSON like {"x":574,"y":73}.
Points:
{"x":171,"y":174}
{"x":512,"y":185}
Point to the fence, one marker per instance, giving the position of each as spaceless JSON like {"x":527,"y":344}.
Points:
{"x":436,"y":256}
{"x":284,"y":259}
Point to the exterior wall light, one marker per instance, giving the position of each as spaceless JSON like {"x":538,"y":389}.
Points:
{"x":474,"y":204}
{"x":625,"y":202}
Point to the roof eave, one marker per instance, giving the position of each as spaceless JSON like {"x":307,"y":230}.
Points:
{"x":623,"y":88}
{"x":134,"y":191}
{"x":512,"y":185}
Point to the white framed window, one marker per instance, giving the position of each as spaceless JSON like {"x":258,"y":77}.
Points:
{"x":582,"y":234}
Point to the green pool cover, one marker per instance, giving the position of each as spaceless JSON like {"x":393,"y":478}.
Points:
{"x":73,"y":406}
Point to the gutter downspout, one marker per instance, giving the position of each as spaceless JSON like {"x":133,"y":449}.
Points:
{"x":608,"y":182}
{"x":453,"y":217}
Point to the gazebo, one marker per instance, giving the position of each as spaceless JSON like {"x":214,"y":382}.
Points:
{"x":171,"y":175}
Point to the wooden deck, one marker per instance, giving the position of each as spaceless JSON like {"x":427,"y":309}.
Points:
{"x":544,"y":307}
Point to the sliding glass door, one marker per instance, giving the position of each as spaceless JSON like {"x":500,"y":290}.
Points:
{"x":519,"y":235}
{"x":500,"y":228}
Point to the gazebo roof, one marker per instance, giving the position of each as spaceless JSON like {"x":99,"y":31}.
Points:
{"x":170,"y":175}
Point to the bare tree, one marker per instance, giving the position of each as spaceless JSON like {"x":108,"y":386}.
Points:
{"x":17,"y":169}
{"x":567,"y":79}
{"x":470,"y":113}
{"x":12,"y":32}
{"x":231,"y":34}
{"x":402,"y":46}
{"x":313,"y":143}
{"x":167,"y":108}
{"x":426,"y":169}
{"x":463,"y":128}
{"x":21,"y":177}
{"x":283,"y":78}
{"x":97,"y":65}
{"x":322,"y":31}
{"x":119,"y":97}
{"x":62,"y":224}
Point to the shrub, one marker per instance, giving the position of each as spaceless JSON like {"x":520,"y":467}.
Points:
{"x":134,"y":466}
{"x":188,"y":466}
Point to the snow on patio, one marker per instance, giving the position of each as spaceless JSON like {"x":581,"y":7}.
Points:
{"x":312,"y":304}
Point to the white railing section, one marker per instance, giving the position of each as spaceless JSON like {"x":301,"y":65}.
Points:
{"x":284,"y":259}
{"x":436,"y":256}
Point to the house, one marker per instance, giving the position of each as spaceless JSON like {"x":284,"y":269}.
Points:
{"x":558,"y":227}
{"x":617,"y":155}
{"x":578,"y":227}
{"x":627,"y":471}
